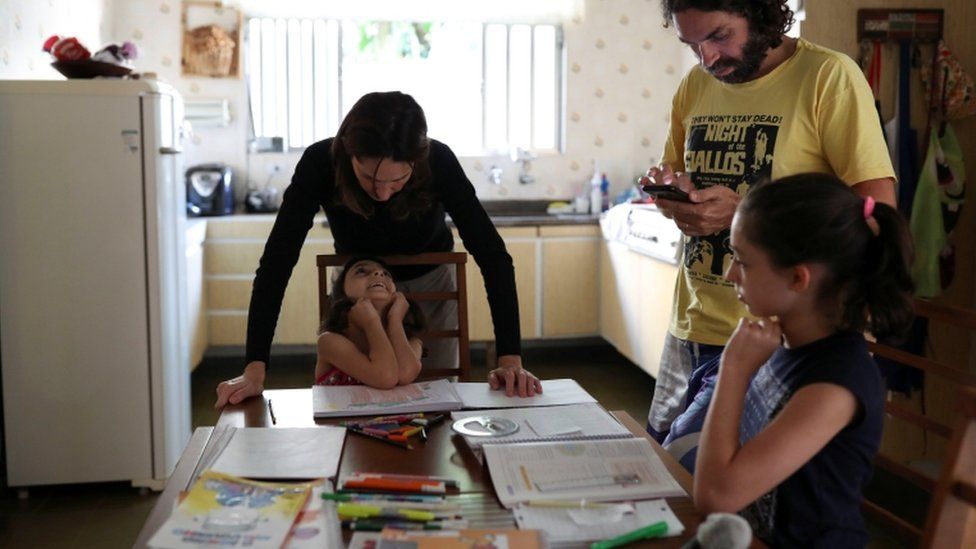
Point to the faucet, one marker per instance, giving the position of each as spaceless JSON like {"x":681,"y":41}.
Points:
{"x":495,"y":175}
{"x":524,"y":157}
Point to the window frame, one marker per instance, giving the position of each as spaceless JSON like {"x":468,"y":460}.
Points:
{"x":333,"y":80}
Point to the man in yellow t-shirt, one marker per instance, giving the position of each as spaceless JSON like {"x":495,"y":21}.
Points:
{"x":759,"y":105}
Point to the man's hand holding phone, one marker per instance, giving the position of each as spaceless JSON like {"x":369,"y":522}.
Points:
{"x":696,"y":212}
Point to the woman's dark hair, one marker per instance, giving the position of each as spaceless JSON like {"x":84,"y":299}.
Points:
{"x":337,"y":319}
{"x":768,"y":19}
{"x":384,"y":125}
{"x":816,"y":218}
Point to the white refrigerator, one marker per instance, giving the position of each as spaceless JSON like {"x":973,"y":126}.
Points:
{"x":94,"y":349}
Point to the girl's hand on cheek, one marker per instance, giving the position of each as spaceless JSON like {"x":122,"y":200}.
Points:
{"x":751,"y":345}
{"x":398,"y":310}
{"x":363,"y":313}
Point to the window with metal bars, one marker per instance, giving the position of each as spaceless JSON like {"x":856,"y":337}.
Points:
{"x":485,"y":87}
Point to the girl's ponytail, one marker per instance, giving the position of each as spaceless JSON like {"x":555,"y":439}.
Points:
{"x":885,"y":287}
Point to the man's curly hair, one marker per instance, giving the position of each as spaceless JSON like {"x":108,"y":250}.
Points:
{"x":769,"y":19}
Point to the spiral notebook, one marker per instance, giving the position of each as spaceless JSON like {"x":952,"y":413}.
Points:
{"x":587,"y":421}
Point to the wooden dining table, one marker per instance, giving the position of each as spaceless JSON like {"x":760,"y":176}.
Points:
{"x":444,"y":454}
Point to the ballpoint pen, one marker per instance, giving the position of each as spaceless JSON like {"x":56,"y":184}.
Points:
{"x":373,"y":525}
{"x":274,"y":420}
{"x":654,"y":530}
{"x":370,"y":496}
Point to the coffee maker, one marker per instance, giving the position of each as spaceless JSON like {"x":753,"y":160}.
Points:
{"x":209,"y":190}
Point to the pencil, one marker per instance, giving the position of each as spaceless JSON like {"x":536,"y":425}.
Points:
{"x":380,"y":438}
{"x":274,"y":420}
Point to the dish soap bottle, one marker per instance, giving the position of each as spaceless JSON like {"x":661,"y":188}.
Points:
{"x":596,"y":196}
{"x":604,"y":193}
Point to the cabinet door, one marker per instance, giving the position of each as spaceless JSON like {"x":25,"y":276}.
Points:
{"x":233,"y":249}
{"x":570,"y":288}
{"x":521,"y":243}
{"x":655,"y":298}
{"x":619,"y":285}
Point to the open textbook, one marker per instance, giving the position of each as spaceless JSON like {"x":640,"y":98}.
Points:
{"x":435,"y":396}
{"x":594,"y":470}
{"x":587,"y":421}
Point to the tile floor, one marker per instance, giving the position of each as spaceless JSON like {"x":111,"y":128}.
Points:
{"x":111,"y":514}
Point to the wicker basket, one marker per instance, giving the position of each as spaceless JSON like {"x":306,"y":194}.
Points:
{"x":208,"y":51}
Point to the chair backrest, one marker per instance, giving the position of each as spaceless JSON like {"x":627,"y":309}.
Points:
{"x":458,"y":260}
{"x":952,"y":514}
{"x":904,"y":413}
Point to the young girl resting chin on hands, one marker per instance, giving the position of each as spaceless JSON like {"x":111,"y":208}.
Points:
{"x":368,"y":336}
{"x":796,"y":416}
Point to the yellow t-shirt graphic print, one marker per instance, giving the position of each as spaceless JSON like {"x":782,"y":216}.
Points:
{"x":813,"y":113}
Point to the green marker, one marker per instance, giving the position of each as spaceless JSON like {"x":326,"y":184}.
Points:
{"x":655,"y":530}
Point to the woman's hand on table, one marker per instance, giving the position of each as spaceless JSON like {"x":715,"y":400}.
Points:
{"x":513,"y":377}
{"x":248,"y":384}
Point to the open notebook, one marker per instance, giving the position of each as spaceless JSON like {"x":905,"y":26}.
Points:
{"x":588,"y":421}
{"x":594,"y":470}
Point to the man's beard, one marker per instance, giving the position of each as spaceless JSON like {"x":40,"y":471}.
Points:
{"x":745,"y":68}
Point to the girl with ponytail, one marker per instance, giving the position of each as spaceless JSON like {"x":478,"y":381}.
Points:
{"x":796,"y":417}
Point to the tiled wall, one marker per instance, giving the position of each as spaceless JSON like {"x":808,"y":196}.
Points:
{"x":622,"y":68}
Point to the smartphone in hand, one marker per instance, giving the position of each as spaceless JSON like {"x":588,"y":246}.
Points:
{"x":667,"y":192}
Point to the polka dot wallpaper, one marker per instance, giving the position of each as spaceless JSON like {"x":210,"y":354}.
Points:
{"x":622,"y":68}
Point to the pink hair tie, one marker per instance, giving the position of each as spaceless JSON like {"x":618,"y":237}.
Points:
{"x":869,"y":216}
{"x":868,"y":207}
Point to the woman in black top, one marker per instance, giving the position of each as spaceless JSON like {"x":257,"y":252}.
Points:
{"x":385,"y":188}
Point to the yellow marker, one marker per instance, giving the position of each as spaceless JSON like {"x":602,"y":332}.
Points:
{"x":412,"y":432}
{"x":568,"y":504}
{"x":357,"y":510}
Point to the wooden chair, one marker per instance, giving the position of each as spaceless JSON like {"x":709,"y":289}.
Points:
{"x":458,"y":259}
{"x":901,"y":411}
{"x":952,"y":514}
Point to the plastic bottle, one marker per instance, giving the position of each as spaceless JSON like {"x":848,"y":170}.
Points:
{"x":596,"y":196}
{"x":604,"y":193}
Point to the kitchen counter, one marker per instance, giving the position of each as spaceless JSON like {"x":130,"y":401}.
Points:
{"x":503,"y":213}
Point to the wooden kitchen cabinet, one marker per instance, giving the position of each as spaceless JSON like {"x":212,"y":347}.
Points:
{"x":618,"y":298}
{"x":555,"y":272}
{"x":522,"y":244}
{"x":570,"y":280}
{"x":656,"y":280}
{"x":233,"y":248}
{"x":635,"y":303}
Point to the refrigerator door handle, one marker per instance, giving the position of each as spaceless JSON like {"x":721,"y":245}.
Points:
{"x":170,"y":150}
